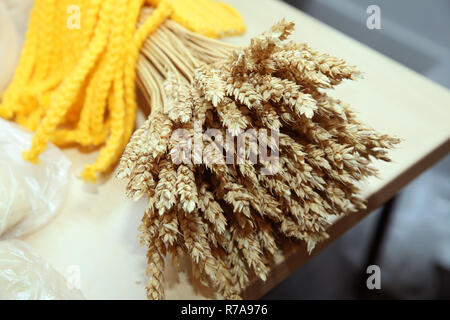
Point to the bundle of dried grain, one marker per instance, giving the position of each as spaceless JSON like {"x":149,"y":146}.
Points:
{"x":279,"y":159}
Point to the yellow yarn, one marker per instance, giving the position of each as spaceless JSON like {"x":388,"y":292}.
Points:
{"x":77,"y":86}
{"x":209,"y":18}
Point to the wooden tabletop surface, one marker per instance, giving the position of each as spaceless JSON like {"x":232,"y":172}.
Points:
{"x":96,"y":230}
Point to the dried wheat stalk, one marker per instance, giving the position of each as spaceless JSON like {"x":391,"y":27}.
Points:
{"x":229,"y":218}
{"x":172,"y":49}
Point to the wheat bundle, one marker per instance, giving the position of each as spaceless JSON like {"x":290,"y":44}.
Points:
{"x":227,"y":202}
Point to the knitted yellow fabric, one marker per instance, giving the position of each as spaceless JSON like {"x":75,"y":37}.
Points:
{"x":76,"y":85}
{"x":209,"y":18}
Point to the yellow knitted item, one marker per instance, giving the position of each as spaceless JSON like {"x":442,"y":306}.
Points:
{"x":209,"y":18}
{"x":76,"y":86}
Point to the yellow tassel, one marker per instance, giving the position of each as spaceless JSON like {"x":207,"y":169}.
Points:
{"x":210,"y":18}
{"x":76,"y":86}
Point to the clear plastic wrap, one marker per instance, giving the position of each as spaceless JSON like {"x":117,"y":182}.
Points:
{"x":30,"y":195}
{"x":25,"y":276}
{"x":9,"y":47}
{"x":13,"y":23}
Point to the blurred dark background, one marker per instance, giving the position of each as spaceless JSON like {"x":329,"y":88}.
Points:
{"x":414,"y":255}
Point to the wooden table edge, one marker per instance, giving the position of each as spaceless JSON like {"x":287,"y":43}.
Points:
{"x":295,"y":258}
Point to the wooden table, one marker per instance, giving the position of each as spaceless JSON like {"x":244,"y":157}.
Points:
{"x":97,"y":228}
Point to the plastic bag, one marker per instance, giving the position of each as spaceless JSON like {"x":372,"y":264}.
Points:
{"x":9,"y":47}
{"x":19,"y":12}
{"x":25,"y":276}
{"x":30,"y":194}
{"x":13,"y":23}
